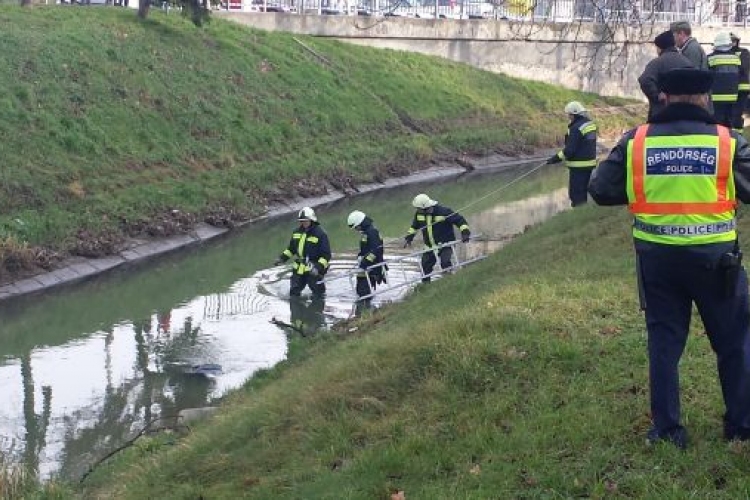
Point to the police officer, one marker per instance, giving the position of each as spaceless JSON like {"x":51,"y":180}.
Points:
{"x":725,"y":65}
{"x":311,"y":253}
{"x":579,"y":153}
{"x":436,"y":223}
{"x":738,"y":122}
{"x":681,"y":176}
{"x":370,"y":253}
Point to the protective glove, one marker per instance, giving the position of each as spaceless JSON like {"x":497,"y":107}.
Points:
{"x":465,"y":235}
{"x":554,"y":159}
{"x":408,"y":240}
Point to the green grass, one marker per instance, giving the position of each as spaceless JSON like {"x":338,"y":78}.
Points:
{"x":523,"y":376}
{"x":108,"y":122}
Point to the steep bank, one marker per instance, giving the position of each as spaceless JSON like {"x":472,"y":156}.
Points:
{"x":114,"y":128}
{"x":522,"y":376}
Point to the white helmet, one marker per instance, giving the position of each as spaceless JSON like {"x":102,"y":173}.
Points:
{"x":355,"y":218}
{"x":723,"y":39}
{"x":575,"y":108}
{"x":423,"y":201}
{"x":307,"y":213}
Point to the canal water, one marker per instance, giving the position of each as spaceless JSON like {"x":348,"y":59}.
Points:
{"x":84,"y":368}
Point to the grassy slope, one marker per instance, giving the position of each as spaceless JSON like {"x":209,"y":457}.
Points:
{"x":522,"y":376}
{"x":107,"y":121}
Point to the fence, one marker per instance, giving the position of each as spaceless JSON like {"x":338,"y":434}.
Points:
{"x":633,"y":12}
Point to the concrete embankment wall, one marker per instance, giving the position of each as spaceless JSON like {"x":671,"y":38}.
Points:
{"x":562,"y":54}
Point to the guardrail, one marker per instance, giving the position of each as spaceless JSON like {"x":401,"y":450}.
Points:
{"x":633,"y":12}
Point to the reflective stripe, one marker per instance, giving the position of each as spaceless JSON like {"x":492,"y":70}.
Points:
{"x":724,"y":97}
{"x":687,"y":229}
{"x":323,"y":261}
{"x":430,"y":238}
{"x":288,"y":253}
{"x":370,"y":256}
{"x":420,"y":218}
{"x":296,"y":236}
{"x":312,"y":239}
{"x":587,"y":127}
{"x":301,"y":245}
{"x":439,"y":218}
{"x":723,"y":60}
{"x":464,"y":227}
{"x":580,"y":163}
{"x":640,"y":205}
{"x":561,"y":155}
{"x":411,"y":231}
{"x":744,"y":86}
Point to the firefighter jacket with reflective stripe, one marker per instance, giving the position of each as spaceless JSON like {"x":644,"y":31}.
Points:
{"x":308,"y":248}
{"x":726,"y":69}
{"x":370,"y":245}
{"x":437,"y":226}
{"x":744,"y":56}
{"x":580,"y":143}
{"x":681,"y":178}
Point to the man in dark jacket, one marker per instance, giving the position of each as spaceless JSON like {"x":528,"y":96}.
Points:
{"x":311,"y":252}
{"x":689,"y":46}
{"x":668,"y":58}
{"x":436,"y":223}
{"x":579,"y":152}
{"x":370,"y":254}
{"x":724,"y":63}
{"x":738,"y":120}
{"x":681,"y":176}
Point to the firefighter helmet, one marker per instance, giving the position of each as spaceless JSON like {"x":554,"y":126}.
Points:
{"x":423,"y":201}
{"x":307,"y":213}
{"x":355,"y":218}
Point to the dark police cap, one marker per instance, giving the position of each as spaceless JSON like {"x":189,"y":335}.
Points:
{"x":665,"y":40}
{"x":686,"y":81}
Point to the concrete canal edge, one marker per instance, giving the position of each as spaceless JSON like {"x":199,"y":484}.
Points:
{"x":139,"y":251}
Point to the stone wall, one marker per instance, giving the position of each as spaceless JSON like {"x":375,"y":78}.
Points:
{"x":555,"y":54}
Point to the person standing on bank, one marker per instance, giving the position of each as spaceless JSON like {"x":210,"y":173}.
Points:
{"x":579,"y":153}
{"x":689,"y":46}
{"x":668,"y":58}
{"x":725,"y":65}
{"x":311,"y":252}
{"x":681,"y":176}
{"x":370,"y":253}
{"x":738,"y":121}
{"x":436,"y":223}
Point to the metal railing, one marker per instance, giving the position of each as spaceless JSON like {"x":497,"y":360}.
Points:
{"x":634,"y":12}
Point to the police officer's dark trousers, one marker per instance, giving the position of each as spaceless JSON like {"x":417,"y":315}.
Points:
{"x":298,"y":282}
{"x":723,"y":112}
{"x":429,"y":260}
{"x":674,"y":278}
{"x":578,"y":183}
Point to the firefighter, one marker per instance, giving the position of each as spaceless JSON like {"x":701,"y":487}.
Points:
{"x":738,"y":123}
{"x":436,"y":223}
{"x":370,"y":253}
{"x":725,"y":66}
{"x":681,"y":176}
{"x":579,"y":153}
{"x":311,"y":253}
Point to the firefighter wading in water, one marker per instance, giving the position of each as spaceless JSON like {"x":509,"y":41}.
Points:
{"x":310,"y":253}
{"x":579,"y":153}
{"x":436,"y":223}
{"x":370,"y":253}
{"x":681,"y":175}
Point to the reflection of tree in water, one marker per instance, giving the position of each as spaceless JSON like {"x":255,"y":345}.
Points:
{"x":36,"y":425}
{"x":155,"y":390}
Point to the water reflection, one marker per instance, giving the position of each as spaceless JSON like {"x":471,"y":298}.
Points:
{"x":132,"y":347}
